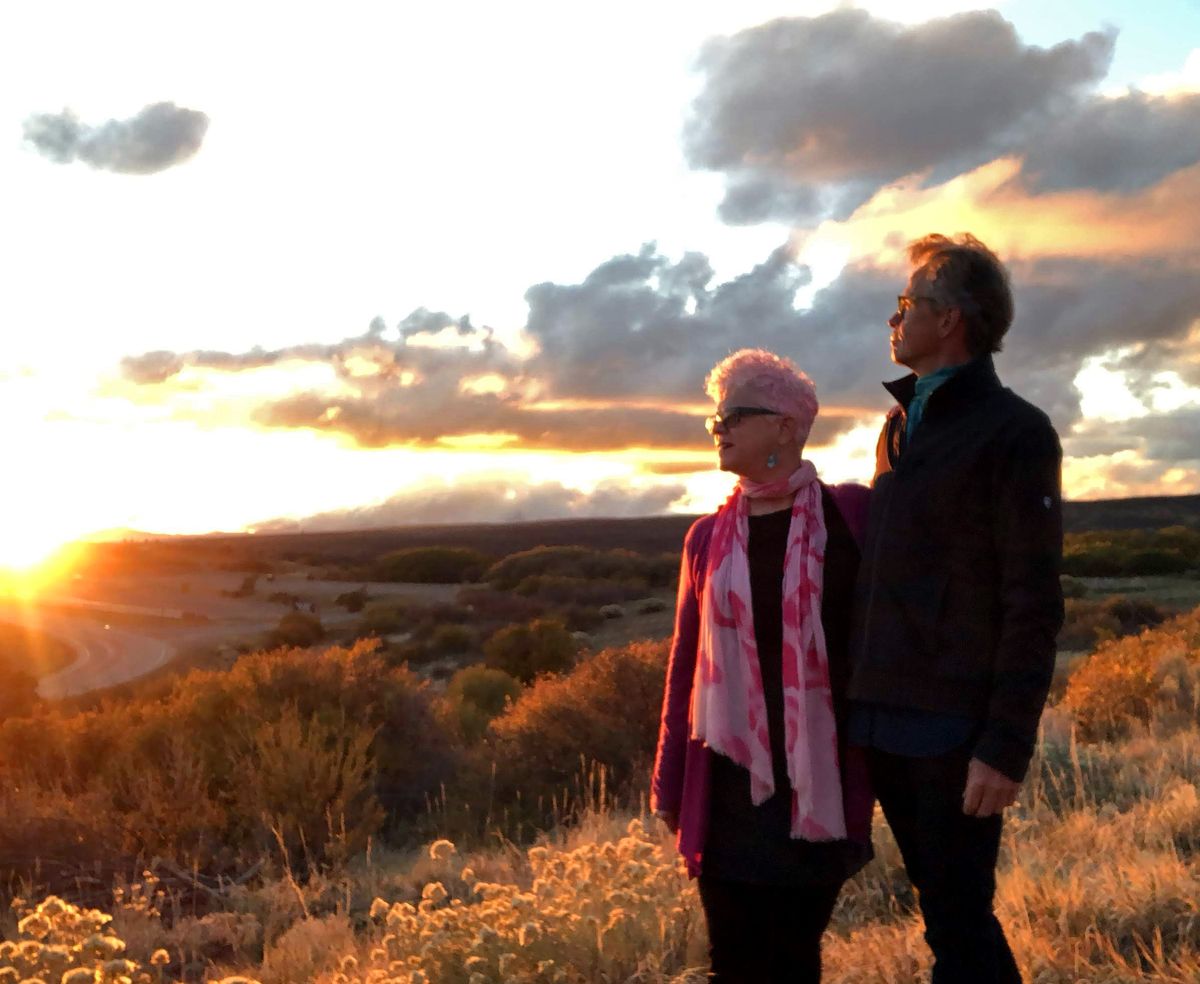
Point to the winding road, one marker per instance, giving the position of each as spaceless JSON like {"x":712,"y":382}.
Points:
{"x":122,"y":629}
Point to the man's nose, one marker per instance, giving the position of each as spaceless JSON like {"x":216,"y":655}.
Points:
{"x":895,"y":319}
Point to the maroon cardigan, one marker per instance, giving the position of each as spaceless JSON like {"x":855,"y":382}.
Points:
{"x":682,"y":764}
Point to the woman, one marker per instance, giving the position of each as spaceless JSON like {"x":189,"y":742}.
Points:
{"x":772,"y":812}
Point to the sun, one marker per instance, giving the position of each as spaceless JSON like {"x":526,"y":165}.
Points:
{"x":29,"y":554}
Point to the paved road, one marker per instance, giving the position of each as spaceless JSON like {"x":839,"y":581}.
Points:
{"x":105,"y":657}
{"x":108,"y":655}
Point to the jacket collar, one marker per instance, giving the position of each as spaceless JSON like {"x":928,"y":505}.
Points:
{"x":974,"y":379}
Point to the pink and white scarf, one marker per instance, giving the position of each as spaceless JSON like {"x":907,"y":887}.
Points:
{"x":729,"y":711}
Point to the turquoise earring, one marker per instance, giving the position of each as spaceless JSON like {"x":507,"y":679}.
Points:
{"x":772,"y":460}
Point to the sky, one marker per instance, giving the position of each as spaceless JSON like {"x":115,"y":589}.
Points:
{"x":292,"y":266}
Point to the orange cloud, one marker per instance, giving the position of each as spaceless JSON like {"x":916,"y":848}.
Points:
{"x":990,"y":202}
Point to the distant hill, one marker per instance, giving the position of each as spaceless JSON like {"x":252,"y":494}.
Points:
{"x":649,"y":534}
{"x":1146,"y":513}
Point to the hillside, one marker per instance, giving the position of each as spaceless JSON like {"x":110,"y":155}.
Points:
{"x":648,"y":534}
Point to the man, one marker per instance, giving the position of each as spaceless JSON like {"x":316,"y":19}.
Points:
{"x":958,"y":600}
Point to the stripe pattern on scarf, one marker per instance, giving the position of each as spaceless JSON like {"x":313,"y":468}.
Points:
{"x":729,"y":711}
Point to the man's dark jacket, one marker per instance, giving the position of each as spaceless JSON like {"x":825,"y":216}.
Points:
{"x":958,"y":601}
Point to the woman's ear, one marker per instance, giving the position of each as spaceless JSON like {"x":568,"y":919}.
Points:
{"x":787,"y":431}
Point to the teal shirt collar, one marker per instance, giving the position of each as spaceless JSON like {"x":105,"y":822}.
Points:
{"x":925,"y":385}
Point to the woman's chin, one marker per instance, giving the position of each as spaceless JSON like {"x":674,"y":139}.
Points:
{"x":728,"y":464}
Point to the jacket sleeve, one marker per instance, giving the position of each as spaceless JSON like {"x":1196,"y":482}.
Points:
{"x":666,"y":786}
{"x":1028,"y":540}
{"x":853,"y":502}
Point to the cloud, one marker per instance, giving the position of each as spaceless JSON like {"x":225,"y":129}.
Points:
{"x":620,"y":362}
{"x":160,"y":136}
{"x":809,"y":118}
{"x":1119,"y":145}
{"x":620,"y":357}
{"x":1068,"y":310}
{"x":494,"y":499}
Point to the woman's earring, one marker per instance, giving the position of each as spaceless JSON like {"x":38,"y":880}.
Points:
{"x":772,"y":460}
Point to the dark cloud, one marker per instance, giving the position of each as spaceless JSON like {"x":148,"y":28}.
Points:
{"x":1161,"y":439}
{"x":679,"y":467}
{"x":638,"y":329}
{"x":420,"y":417}
{"x":623,"y":354}
{"x":492,"y":500}
{"x":1068,"y":310}
{"x":642,"y":326}
{"x":160,"y":136}
{"x":1117,"y":145}
{"x":808,"y":117}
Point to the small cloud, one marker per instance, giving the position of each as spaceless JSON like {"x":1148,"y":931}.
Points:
{"x":478,"y":500}
{"x":160,"y":136}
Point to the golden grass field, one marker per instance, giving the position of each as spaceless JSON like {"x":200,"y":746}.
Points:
{"x":1098,"y":881}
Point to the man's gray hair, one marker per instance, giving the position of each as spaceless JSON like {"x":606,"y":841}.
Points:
{"x":967,"y":275}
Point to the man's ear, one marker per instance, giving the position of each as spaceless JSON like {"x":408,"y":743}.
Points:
{"x":952,"y":321}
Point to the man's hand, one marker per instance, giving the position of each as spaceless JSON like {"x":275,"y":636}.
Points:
{"x":988,"y":791}
{"x":669,"y":818}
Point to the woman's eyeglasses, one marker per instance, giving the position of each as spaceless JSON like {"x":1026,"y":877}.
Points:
{"x":732,"y":416}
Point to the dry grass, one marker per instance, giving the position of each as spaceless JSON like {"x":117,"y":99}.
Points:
{"x":1097,"y":880}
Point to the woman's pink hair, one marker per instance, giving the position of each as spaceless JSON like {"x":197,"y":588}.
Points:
{"x":778,"y":380}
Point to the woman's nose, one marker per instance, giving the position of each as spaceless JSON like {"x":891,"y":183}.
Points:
{"x":895,"y":319}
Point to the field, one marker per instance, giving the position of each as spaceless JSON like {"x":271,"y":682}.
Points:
{"x":433,"y":782}
{"x":1097,"y":879}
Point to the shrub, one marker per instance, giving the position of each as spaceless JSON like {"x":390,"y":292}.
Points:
{"x":579,"y":562}
{"x":387,"y":617}
{"x":245,"y":589}
{"x":448,"y":639}
{"x":579,"y":618}
{"x":560,"y":589}
{"x":621,"y":910}
{"x":526,"y":651}
{"x":606,"y":711}
{"x":1072,"y":587}
{"x":296,"y":629}
{"x":488,"y":605}
{"x":352,"y":601}
{"x":1135,"y":679}
{"x":476,"y":695}
{"x":1123,"y":553}
{"x":431,"y":565}
{"x":312,"y":743}
{"x":1089,"y":623}
{"x":18,"y":689}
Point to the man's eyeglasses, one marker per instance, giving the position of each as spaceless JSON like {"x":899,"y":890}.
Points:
{"x":904,"y":302}
{"x":732,"y":416}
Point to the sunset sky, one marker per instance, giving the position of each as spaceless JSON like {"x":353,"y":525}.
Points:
{"x":380,"y":263}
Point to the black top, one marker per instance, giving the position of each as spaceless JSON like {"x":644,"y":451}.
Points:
{"x":958,"y":599}
{"x":751,"y":843}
